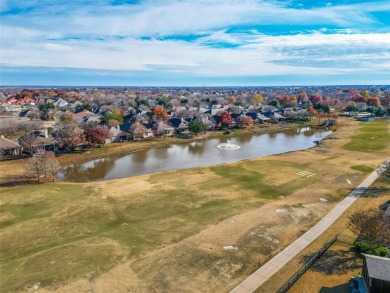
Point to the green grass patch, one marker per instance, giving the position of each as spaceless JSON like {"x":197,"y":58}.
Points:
{"x":363,"y":168}
{"x":251,"y":175}
{"x":370,"y":137}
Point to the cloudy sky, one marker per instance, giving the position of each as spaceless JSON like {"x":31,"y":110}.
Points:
{"x":194,"y":42}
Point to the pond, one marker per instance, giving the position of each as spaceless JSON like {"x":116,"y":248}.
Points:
{"x":209,"y":151}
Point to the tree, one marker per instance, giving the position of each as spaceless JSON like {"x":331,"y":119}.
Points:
{"x":232,"y":100}
{"x":27,"y":141}
{"x":351,"y":107}
{"x":259,"y":98}
{"x":196,"y":126}
{"x":312,"y":111}
{"x":113,"y":123}
{"x":51,"y":164}
{"x":384,"y":170}
{"x":303,"y":96}
{"x":315,"y":98}
{"x":160,"y":113}
{"x":163,"y":101}
{"x":32,"y":115}
{"x":83,"y":106}
{"x":70,"y":136}
{"x":94,"y":135}
{"x":34,"y":167}
{"x":372,"y":226}
{"x":373,"y":101}
{"x":67,"y":119}
{"x":113,"y":114}
{"x":249,"y":121}
{"x":46,"y":106}
{"x":226,"y":119}
{"x":283,"y":100}
{"x":274,"y":103}
{"x":241,"y":121}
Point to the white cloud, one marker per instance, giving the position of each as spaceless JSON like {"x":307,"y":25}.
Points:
{"x":263,"y":55}
{"x":68,"y":35}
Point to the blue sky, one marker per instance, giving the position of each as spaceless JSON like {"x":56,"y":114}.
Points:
{"x":214,"y":42}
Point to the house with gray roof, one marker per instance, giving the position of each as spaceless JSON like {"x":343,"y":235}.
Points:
{"x":376,"y":273}
{"x":9,"y":147}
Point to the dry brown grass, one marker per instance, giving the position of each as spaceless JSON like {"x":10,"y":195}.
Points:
{"x":190,"y":257}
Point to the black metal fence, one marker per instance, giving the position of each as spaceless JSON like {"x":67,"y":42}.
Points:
{"x":316,"y":256}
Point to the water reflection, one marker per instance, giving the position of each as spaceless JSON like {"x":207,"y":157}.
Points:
{"x":196,"y":148}
{"x":193,"y":154}
{"x":139,"y":157}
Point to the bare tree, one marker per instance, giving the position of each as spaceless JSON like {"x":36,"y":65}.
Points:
{"x":51,"y":164}
{"x":27,"y":142}
{"x":33,"y":115}
{"x":384,"y":170}
{"x":34,"y":167}
{"x":373,"y":226}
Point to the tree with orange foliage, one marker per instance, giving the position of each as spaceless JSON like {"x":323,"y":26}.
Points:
{"x":303,"y":96}
{"x":249,"y":121}
{"x":373,"y":101}
{"x":160,"y":113}
{"x":312,"y":111}
{"x":232,"y":100}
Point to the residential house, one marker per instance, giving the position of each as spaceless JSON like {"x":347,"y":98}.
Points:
{"x":11,"y":107}
{"x":60,"y":103}
{"x":114,"y":134}
{"x":37,"y":141}
{"x":9,"y":147}
{"x":161,"y":128}
{"x":139,"y":131}
{"x":275,"y":117}
{"x":179,"y":124}
{"x":376,"y":273}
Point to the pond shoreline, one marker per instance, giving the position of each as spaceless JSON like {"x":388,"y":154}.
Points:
{"x":158,"y":142}
{"x":196,"y":152}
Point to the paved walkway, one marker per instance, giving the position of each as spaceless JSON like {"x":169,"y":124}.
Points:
{"x":259,"y":277}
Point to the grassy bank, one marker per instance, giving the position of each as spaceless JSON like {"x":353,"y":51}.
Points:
{"x":370,"y":137}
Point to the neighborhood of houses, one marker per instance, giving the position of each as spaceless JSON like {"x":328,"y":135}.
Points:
{"x":63,"y":120}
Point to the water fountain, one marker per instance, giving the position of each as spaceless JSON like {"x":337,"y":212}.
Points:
{"x":228,"y":146}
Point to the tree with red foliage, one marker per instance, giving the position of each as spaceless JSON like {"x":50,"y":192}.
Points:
{"x":123,"y":112}
{"x":226,"y":119}
{"x":94,"y":135}
{"x":316,"y":98}
{"x":283,"y":100}
{"x":160,"y":113}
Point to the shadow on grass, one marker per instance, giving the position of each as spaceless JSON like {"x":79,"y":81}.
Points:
{"x":377,"y":191}
{"x":343,"y":288}
{"x":17,"y":181}
{"x":335,"y":262}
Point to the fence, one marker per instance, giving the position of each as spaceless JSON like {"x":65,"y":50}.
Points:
{"x":316,"y":256}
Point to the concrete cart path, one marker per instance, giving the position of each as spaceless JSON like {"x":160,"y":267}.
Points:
{"x":259,"y":277}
